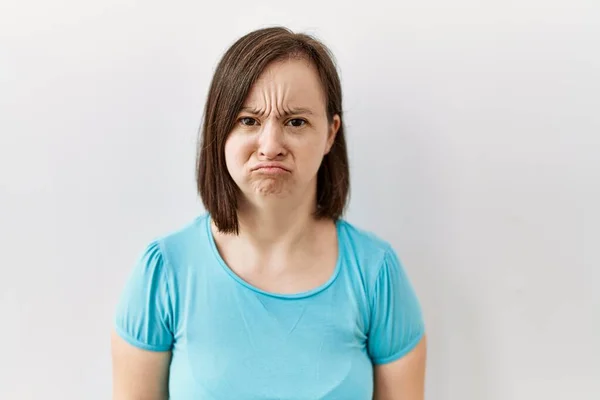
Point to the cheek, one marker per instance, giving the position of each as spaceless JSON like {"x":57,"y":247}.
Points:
{"x":311,"y":154}
{"x":237,"y":152}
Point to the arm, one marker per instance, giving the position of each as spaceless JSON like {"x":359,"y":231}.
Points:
{"x":397,"y":341}
{"x":138,"y":374}
{"x":142,"y":337}
{"x":403,"y":379}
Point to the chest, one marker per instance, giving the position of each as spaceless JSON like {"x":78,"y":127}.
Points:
{"x":252,"y":346}
{"x":284,"y":272}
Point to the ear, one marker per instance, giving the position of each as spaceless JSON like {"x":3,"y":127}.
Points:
{"x":334,"y":127}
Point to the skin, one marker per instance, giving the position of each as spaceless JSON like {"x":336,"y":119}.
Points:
{"x":283,"y":123}
{"x":273,"y":155}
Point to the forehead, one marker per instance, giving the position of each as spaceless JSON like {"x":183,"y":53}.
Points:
{"x":293,"y":82}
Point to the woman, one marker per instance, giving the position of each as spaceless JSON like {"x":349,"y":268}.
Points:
{"x":270,"y":294}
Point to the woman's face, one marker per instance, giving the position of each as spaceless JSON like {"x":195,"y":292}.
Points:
{"x":281,"y":134}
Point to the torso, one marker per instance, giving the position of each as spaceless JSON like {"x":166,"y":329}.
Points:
{"x":234,"y":340}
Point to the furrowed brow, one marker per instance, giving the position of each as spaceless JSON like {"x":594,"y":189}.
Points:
{"x":298,"y":110}
{"x":252,"y":110}
{"x":288,"y":112}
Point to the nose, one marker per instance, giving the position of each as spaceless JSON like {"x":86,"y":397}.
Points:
{"x":271,"y":141}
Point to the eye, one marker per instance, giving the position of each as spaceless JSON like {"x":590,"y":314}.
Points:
{"x":296,"y":122}
{"x":248,"y":121}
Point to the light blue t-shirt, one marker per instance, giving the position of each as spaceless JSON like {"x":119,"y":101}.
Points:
{"x":230,"y":340}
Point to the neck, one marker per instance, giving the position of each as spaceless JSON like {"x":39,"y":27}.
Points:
{"x":277,"y":223}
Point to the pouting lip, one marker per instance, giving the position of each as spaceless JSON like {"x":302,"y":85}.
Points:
{"x":270,"y":165}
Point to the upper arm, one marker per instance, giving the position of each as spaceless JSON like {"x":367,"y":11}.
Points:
{"x":396,"y":337}
{"x":138,"y":374}
{"x":142,"y":337}
{"x":404,"y":378}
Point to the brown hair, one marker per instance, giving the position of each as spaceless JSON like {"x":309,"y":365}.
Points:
{"x":235,"y":74}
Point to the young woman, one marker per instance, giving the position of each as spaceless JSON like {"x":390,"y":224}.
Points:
{"x":270,"y":294}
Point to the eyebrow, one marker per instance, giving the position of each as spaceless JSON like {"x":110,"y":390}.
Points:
{"x":288,"y":112}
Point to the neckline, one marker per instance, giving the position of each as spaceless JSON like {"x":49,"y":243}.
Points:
{"x":289,"y":296}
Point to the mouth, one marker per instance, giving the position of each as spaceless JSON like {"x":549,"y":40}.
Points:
{"x":270,"y":168}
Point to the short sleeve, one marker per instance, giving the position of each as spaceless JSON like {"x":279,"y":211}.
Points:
{"x":397,"y":324}
{"x":144,"y":316}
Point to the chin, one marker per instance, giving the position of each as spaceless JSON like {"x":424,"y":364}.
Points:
{"x":271,"y":189}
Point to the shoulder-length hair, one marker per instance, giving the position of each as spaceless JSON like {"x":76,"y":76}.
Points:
{"x":239,"y":68}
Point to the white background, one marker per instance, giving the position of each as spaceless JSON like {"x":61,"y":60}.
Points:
{"x":474,"y":135}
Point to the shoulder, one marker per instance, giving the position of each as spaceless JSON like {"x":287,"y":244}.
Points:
{"x":366,"y":249}
{"x":183,"y":238}
{"x":363,"y":241}
{"x":172,"y":248}
{"x":362,"y":235}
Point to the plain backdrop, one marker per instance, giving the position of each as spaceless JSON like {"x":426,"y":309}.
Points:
{"x":474,"y":139}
